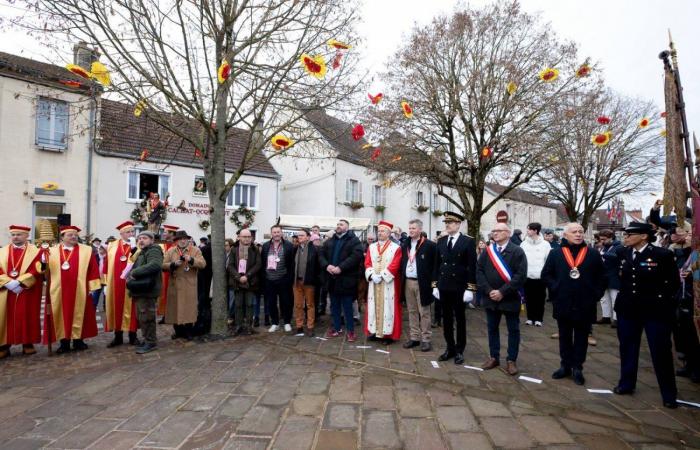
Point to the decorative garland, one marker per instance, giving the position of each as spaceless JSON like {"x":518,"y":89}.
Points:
{"x":247,"y":213}
{"x":203,"y":224}
{"x":137,"y":216}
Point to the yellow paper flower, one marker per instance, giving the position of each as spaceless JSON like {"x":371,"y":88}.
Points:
{"x":549,"y":74}
{"x":281,"y":142}
{"x":224,"y":72}
{"x":407,"y":110}
{"x":314,"y":65}
{"x":338,"y":45}
{"x":140,"y":106}
{"x":644,"y":123}
{"x":601,"y":139}
{"x":100,"y":73}
{"x":663,"y":132}
{"x":511,"y":88}
{"x":78,"y":70}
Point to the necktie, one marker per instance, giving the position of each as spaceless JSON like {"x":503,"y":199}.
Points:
{"x":636,"y":254}
{"x":500,"y":249}
{"x":449,"y":244}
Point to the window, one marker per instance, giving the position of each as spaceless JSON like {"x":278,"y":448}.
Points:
{"x":419,"y":198}
{"x":353,"y":191}
{"x":436,"y":202}
{"x":52,"y":124}
{"x":378,"y":196}
{"x":46,"y":213}
{"x":243,"y":194}
{"x":141,"y":184}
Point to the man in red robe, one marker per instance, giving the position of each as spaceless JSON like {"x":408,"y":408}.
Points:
{"x":73,"y":273}
{"x":20,"y":293}
{"x":169,"y":236}
{"x":121,"y":311}
{"x":382,"y":266}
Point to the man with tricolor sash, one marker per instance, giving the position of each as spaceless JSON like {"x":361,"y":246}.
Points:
{"x":121,"y":311}
{"x":500,"y":276}
{"x":169,"y":237}
{"x":73,"y":273}
{"x":20,"y":293}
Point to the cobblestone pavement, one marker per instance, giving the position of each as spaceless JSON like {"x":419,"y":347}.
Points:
{"x":287,"y":392}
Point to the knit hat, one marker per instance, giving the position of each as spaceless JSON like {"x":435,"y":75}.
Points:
{"x":147,"y":233}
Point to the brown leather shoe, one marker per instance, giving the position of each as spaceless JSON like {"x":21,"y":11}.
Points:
{"x":490,"y":364}
{"x":511,"y":368}
{"x":4,"y":354}
{"x":28,"y":349}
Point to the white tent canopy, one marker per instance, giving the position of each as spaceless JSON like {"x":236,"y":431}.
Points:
{"x":325,"y":222}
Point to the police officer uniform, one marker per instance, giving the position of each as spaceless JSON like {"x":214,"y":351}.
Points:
{"x":649,"y":281}
{"x":455,"y":279}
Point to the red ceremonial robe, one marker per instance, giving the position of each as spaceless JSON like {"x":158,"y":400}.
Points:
{"x":121,"y":311}
{"x":392,"y":297}
{"x":20,"y":321}
{"x":69,"y":290}
{"x":163,"y":301}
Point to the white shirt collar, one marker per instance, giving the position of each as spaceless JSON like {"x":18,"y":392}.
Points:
{"x":18,"y":246}
{"x":67,"y":247}
{"x":456,"y":235}
{"x":642,"y":249}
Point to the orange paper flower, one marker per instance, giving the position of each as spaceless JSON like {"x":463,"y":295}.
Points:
{"x":224,"y":72}
{"x":511,"y":88}
{"x":358,"y":131}
{"x":198,"y":153}
{"x":140,"y":106}
{"x":486,"y":152}
{"x":70,"y":83}
{"x":314,"y":65}
{"x":583,"y":71}
{"x":281,"y":142}
{"x":644,"y":123}
{"x":78,"y":70}
{"x":375,"y":154}
{"x":375,"y":99}
{"x":99,"y":72}
{"x":549,"y":74}
{"x":407,"y":110}
{"x":396,"y":158}
{"x":601,"y":139}
{"x":338,"y":45}
{"x":144,"y":155}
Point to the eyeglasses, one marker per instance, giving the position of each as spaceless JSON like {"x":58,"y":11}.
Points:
{"x":498,"y":231}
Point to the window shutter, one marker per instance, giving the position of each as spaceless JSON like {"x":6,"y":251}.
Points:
{"x":253,"y":196}
{"x":164,"y":181}
{"x":348,"y":195}
{"x":359,"y":191}
{"x":133,"y":185}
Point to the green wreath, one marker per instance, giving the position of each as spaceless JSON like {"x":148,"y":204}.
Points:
{"x":248,"y":215}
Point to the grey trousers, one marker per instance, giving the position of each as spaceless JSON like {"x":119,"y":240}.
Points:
{"x":418,"y":315}
{"x":146,"y":312}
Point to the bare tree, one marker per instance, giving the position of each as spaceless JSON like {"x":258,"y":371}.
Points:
{"x":606,"y":146}
{"x":170,"y":57}
{"x":482,"y":85}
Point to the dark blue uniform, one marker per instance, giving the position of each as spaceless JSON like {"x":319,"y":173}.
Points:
{"x":649,"y":282}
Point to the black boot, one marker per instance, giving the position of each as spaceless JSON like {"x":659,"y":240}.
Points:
{"x":64,"y":347}
{"x":133,"y":339}
{"x":79,"y":345}
{"x":118,"y":339}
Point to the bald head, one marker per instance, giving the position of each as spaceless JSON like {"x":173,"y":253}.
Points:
{"x":500,"y":233}
{"x":245,"y":237}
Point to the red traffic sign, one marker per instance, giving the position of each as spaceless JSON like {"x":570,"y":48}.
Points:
{"x":502,"y":217}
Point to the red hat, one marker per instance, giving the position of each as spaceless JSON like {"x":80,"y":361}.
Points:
{"x":64,"y":228}
{"x":171,"y":227}
{"x":19,"y":228}
{"x":384,"y":223}
{"x":125,"y":226}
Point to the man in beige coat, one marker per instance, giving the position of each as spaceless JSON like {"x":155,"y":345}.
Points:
{"x":182,"y":262}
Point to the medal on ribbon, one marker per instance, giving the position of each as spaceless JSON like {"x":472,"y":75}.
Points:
{"x":574,"y":273}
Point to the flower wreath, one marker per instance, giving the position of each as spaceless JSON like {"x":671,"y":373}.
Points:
{"x":247,"y":213}
{"x":203,"y":224}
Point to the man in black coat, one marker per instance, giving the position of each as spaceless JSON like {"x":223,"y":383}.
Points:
{"x":277,"y":274}
{"x":340,"y":258}
{"x":204,"y":277}
{"x":649,"y":280}
{"x":306,"y":270}
{"x":454,"y":283}
{"x":500,"y":276}
{"x":417,"y":265}
{"x":576,"y":280}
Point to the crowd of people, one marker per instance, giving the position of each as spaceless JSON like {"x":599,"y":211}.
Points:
{"x":643,"y":284}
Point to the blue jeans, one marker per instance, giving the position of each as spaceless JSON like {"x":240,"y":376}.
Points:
{"x":493,"y":320}
{"x":231,"y":298}
{"x":96,"y":296}
{"x":344,"y":302}
{"x":256,"y":307}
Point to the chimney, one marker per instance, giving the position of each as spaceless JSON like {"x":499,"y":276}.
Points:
{"x":84,"y":55}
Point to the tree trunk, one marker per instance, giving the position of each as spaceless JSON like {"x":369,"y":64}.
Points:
{"x":474,"y":215}
{"x":219,"y":303}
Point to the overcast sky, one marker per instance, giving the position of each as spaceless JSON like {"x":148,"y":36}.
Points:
{"x":623,"y":36}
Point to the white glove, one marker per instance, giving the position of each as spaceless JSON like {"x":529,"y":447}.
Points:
{"x":18,"y":290}
{"x":132,"y":242}
{"x":468,"y":297}
{"x":12,"y":285}
{"x":436,"y":293}
{"x":376,"y":278}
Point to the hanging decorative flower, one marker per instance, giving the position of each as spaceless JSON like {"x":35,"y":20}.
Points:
{"x":224,"y":72}
{"x":663,"y":132}
{"x":140,"y":106}
{"x":396,"y":158}
{"x":603,"y":120}
{"x":100,"y":73}
{"x":549,"y":74}
{"x":338,"y":45}
{"x":366,"y":146}
{"x":644,"y":123}
{"x":583,"y":71}
{"x":198,"y":153}
{"x":511,"y":88}
{"x":336,"y":59}
{"x":78,"y":70}
{"x":358,"y":131}
{"x":144,"y":155}
{"x":70,"y":83}
{"x":486,"y":152}
{"x":314,"y":65}
{"x":281,"y":142}
{"x":407,"y":110}
{"x":663,"y":115}
{"x":375,"y":154}
{"x":375,"y":99}
{"x":601,"y":139}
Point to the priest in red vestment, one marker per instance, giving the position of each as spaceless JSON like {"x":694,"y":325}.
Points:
{"x":382,"y":265}
{"x":20,"y":293}
{"x":121,"y":311}
{"x":169,"y":243}
{"x":73,"y":273}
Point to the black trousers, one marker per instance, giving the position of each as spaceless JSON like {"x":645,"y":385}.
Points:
{"x":535,"y":293}
{"x":573,"y":342}
{"x":279,"y":290}
{"x":629,"y":332}
{"x":453,"y":310}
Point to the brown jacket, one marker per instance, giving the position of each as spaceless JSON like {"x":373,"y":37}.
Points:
{"x":182,"y":289}
{"x":252,"y":270}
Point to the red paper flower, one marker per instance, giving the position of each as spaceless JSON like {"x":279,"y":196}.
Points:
{"x":663,"y":114}
{"x":314,"y":65}
{"x":603,"y":120}
{"x":281,"y":142}
{"x":407,"y":110}
{"x":78,"y":70}
{"x":644,"y":123}
{"x":486,"y":152}
{"x":336,"y":60}
{"x":338,"y":45}
{"x":601,"y":139}
{"x":144,"y":155}
{"x":375,"y":154}
{"x":583,"y":71}
{"x":375,"y":99}
{"x":70,"y":83}
{"x":224,"y":72}
{"x":358,"y":131}
{"x":549,"y":74}
{"x":197,"y":153}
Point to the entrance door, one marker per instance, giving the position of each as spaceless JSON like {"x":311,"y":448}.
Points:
{"x":46,"y":219}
